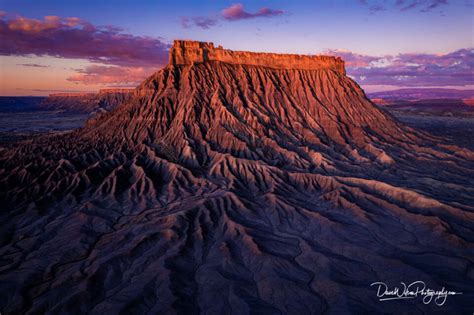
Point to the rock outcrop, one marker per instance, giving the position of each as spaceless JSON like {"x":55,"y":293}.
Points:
{"x":188,"y":52}
{"x":226,"y":186}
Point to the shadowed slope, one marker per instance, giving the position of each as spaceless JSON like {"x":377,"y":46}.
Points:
{"x":235,"y":188}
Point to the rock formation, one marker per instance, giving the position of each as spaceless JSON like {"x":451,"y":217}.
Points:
{"x":104,"y":100}
{"x":263,"y":184}
{"x":188,"y":52}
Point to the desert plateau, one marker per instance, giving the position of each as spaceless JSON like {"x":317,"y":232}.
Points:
{"x":165,"y":175}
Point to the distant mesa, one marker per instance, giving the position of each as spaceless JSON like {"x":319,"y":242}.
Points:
{"x":426,"y":101}
{"x":116,"y":90}
{"x":101,"y":91}
{"x":104,"y":100}
{"x":410,"y":94}
{"x":186,"y":52}
{"x":73,"y":94}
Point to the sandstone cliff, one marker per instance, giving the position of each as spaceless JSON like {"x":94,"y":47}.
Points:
{"x":187,"y":52}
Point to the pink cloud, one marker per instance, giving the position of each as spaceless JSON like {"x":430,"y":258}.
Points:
{"x":108,"y":75}
{"x":236,"y":12}
{"x":76,"y":38}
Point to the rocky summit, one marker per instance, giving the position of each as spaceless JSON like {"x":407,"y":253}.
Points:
{"x":231,"y":183}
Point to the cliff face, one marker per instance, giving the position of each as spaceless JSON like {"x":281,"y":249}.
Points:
{"x":187,"y":52}
{"x":235,"y":187}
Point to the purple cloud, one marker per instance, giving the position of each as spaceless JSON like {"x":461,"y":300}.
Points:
{"x":405,"y":5}
{"x":34,"y":65}
{"x":454,"y":69}
{"x":236,"y":12}
{"x":75,"y":38}
{"x":376,"y":8}
{"x":352,"y":60}
{"x":199,"y":21}
{"x":373,"y":9}
{"x":423,"y":5}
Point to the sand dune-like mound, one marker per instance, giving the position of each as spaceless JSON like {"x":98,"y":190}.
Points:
{"x":236,"y":182}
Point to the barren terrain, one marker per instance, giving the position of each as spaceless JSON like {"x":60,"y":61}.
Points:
{"x":235,"y":188}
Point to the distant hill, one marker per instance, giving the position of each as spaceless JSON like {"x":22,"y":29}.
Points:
{"x":420,"y":93}
{"x":437,"y":102}
{"x":105,"y":100}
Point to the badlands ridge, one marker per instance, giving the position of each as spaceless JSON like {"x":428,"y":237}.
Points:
{"x":235,"y":182}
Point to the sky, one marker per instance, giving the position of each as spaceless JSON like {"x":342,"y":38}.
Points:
{"x":54,"y":46}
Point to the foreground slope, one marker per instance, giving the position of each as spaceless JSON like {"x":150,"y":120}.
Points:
{"x":235,"y":182}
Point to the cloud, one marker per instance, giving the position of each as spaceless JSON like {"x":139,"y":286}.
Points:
{"x":76,"y":38}
{"x":107,"y":75}
{"x":353,"y":60}
{"x":404,"y":5}
{"x":423,"y":5}
{"x":236,"y":12}
{"x":200,"y":21}
{"x":453,"y":69}
{"x":376,"y":8}
{"x":35,"y":65}
{"x":373,"y":9}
